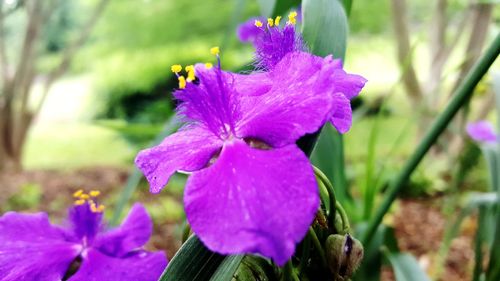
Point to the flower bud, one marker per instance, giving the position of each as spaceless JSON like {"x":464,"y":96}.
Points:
{"x":344,"y":254}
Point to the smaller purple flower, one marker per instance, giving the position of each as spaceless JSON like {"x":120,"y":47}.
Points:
{"x":32,"y":249}
{"x":278,"y":42}
{"x":248,"y":32}
{"x":482,"y":131}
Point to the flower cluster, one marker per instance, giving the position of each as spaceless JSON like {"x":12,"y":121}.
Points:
{"x":251,"y":189}
{"x":32,"y":249}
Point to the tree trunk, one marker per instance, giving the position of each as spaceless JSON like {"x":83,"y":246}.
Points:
{"x":15,"y":116}
{"x":409,"y":76}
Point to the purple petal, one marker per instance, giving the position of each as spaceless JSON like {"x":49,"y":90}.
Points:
{"x":253,"y":201}
{"x":141,"y":266}
{"x":187,"y":150}
{"x":132,"y":234}
{"x":84,"y":223}
{"x":482,"y":131}
{"x":248,"y":32}
{"x":255,"y":84}
{"x":299,"y":102}
{"x":348,"y":84}
{"x":341,"y":117}
{"x":32,"y":249}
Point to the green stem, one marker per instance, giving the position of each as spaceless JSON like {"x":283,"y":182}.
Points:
{"x":331,"y":195}
{"x":318,"y":246}
{"x":346,"y":226}
{"x":306,"y":245}
{"x":478,"y":247}
{"x":460,"y":97}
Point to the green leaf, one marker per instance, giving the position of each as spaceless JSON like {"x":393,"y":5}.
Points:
{"x":266,"y":7}
{"x":495,"y":78}
{"x":272,"y":8}
{"x":194,"y":262}
{"x":325,"y":27}
{"x":282,"y":6}
{"x":491,"y":155}
{"x":328,"y":157}
{"x":228,"y":268}
{"x":406,"y":267}
{"x":347,"y":6}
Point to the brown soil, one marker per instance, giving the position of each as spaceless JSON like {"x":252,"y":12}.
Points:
{"x":419,"y":224}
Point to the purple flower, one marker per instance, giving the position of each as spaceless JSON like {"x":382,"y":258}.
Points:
{"x":276,"y":42}
{"x":252,"y":190}
{"x":482,"y":131}
{"x":32,"y":249}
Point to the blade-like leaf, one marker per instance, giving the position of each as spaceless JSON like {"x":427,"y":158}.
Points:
{"x":406,"y":267}
{"x":227,"y":268}
{"x":266,"y":7}
{"x":282,"y":6}
{"x":325,"y":27}
{"x":324,"y":157}
{"x":347,"y":6}
{"x":194,"y":262}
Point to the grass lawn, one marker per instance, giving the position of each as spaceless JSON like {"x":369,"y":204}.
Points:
{"x":76,"y":145}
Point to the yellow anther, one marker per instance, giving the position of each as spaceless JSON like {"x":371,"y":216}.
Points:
{"x":93,"y":207}
{"x":94,"y":193}
{"x":191,"y":76}
{"x":84,"y":196}
{"x":215,"y":51}
{"x":78,"y":193}
{"x":208,"y":65}
{"x":176,"y":68}
{"x":258,"y":23}
{"x":182,"y":82}
{"x":277,"y":20}
{"x":189,"y":68}
{"x":292,"y":17}
{"x":270,"y":22}
{"x":96,"y":208}
{"x":79,"y":202}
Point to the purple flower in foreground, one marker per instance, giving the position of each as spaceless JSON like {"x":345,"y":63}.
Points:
{"x":32,"y":249}
{"x":252,"y":190}
{"x":482,"y":131}
{"x":275,"y":43}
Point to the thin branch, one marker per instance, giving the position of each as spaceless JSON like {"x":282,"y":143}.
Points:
{"x":441,"y":57}
{"x":26,"y":57}
{"x":49,"y":10}
{"x":3,"y":54}
{"x":438,"y":48}
{"x":481,"y":18}
{"x":400,"y":22}
{"x":70,"y":52}
{"x":439,"y":25}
